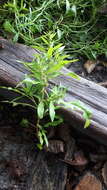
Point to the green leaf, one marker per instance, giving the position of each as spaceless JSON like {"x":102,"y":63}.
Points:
{"x":87,"y":123}
{"x":30,"y":81}
{"x":52,"y":111}
{"x":40,"y":146}
{"x":16,"y":37}
{"x":40,"y":137}
{"x":57,"y":46}
{"x":86,"y":112}
{"x":8,"y":27}
{"x":29,"y":84}
{"x":40,"y":110}
{"x":67,"y":6}
{"x":58,"y":120}
{"x":51,"y":36}
{"x":74,"y":10}
{"x":85,"y":115}
{"x":58,"y":66}
{"x":15,"y":104}
{"x":59,"y":33}
{"x":24,"y":122}
{"x":45,"y":138}
{"x":81,"y":105}
{"x":73,"y":75}
{"x":58,"y":3}
{"x":50,"y":51}
{"x":39,"y":48}
{"x":44,"y":40}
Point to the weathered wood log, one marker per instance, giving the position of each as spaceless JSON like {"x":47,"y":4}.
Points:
{"x":23,"y":167}
{"x":94,"y":96}
{"x":49,"y":173}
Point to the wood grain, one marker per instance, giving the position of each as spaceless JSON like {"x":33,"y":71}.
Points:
{"x":92,"y":95}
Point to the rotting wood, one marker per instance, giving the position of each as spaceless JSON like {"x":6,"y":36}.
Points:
{"x":23,"y":167}
{"x":94,"y":96}
{"x":49,"y":175}
{"x":55,"y":146}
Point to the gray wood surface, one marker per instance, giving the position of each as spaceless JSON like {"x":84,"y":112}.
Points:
{"x":92,"y":95}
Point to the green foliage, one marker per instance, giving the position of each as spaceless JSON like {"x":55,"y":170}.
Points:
{"x":24,"y":122}
{"x":44,"y":67}
{"x":78,"y":23}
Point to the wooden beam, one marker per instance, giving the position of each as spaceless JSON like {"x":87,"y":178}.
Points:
{"x":92,"y":95}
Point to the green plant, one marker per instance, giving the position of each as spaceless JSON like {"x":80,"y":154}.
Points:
{"x":45,"y":100}
{"x":78,"y":23}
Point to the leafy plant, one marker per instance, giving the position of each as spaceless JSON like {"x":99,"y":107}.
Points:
{"x":78,"y":23}
{"x":45,"y":100}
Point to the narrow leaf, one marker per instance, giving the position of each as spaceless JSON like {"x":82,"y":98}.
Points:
{"x":45,"y":139}
{"x":40,"y":110}
{"x":57,"y":46}
{"x":16,"y":37}
{"x":40,"y":146}
{"x":15,"y":104}
{"x":50,"y":51}
{"x":52,"y":111}
{"x":74,"y":10}
{"x":59,"y":33}
{"x":40,"y":137}
{"x":73,"y":75}
{"x":8,"y":27}
{"x":39,"y":48}
{"x":44,"y":40}
{"x":67,"y":6}
{"x":87,"y":123}
{"x":58,"y":4}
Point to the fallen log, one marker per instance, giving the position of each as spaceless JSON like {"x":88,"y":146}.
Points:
{"x":49,"y":173}
{"x":94,"y":96}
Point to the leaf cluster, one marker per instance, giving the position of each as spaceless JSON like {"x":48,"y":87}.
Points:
{"x":78,"y":23}
{"x":45,"y":100}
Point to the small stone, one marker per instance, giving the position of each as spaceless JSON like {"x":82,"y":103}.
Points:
{"x":90,"y":66}
{"x":89,"y":182}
